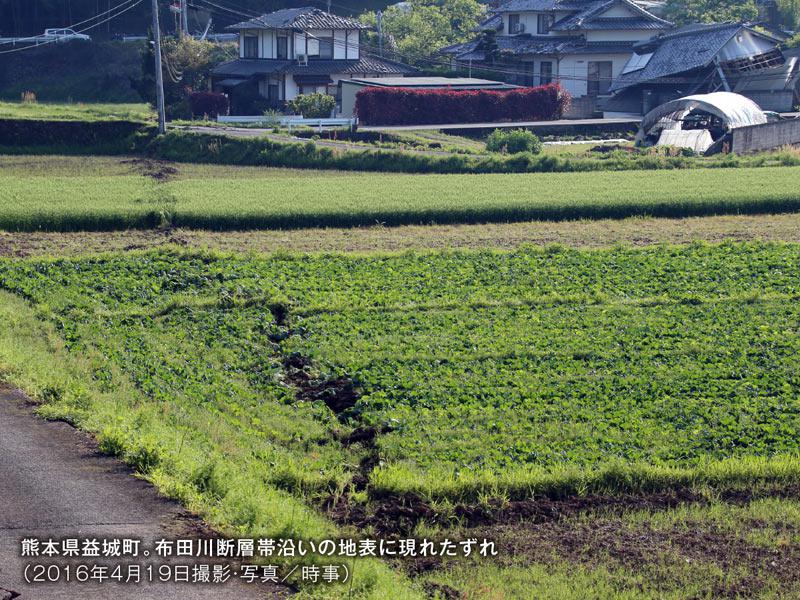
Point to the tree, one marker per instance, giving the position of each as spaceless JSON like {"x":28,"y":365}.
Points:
{"x":488,"y":45}
{"x":789,"y":12}
{"x":420,"y":27}
{"x":187,"y":65}
{"x":710,"y":11}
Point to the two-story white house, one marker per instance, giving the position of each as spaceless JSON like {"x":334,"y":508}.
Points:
{"x":297,"y":51}
{"x":581,"y":44}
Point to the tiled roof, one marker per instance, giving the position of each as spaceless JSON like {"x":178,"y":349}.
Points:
{"x":543,"y":5}
{"x":304,"y":18}
{"x":244,"y":67}
{"x":247,"y":67}
{"x":545,"y":46}
{"x":366,"y":64}
{"x":623,"y":23}
{"x":590,"y":18}
{"x":492,"y":23}
{"x":678,"y":51}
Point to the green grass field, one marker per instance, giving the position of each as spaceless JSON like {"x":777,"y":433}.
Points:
{"x":118,"y":194}
{"x":78,"y":111}
{"x":262,"y":390}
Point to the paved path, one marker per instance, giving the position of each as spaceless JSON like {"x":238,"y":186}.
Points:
{"x":54,"y":484}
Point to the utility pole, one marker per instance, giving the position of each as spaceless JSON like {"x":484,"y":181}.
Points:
{"x":329,"y":6}
{"x":379,"y":19}
{"x":185,"y":17}
{"x":162,"y":121}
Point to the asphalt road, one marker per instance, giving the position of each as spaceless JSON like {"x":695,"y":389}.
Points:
{"x":54,"y":484}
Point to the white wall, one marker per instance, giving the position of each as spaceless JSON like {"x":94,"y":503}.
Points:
{"x":345,"y":43}
{"x":531,"y":22}
{"x":353,"y":48}
{"x":267,"y":44}
{"x":619,"y":11}
{"x":574,"y":70}
{"x":291,"y":88}
{"x":614,"y":35}
{"x":339,"y":44}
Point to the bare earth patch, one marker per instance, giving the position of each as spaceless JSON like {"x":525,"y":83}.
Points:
{"x":586,"y":234}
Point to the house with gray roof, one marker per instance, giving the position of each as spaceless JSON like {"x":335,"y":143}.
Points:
{"x":296,"y":51}
{"x":581,"y":44}
{"x":706,"y":58}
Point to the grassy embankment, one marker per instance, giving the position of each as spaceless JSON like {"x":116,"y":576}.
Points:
{"x":77,"y":111}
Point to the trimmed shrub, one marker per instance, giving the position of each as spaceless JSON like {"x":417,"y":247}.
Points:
{"x":209,"y":104}
{"x":312,"y":106}
{"x":514,"y":142}
{"x":401,"y":106}
{"x":33,"y":132}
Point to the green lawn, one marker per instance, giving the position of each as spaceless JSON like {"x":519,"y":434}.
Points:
{"x":107,"y":194}
{"x":78,"y":111}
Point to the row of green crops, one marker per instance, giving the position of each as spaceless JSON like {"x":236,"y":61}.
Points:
{"x":254,"y":199}
{"x":485,"y":366}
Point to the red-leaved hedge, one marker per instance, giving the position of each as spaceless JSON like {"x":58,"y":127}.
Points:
{"x":209,"y":104}
{"x":403,"y":106}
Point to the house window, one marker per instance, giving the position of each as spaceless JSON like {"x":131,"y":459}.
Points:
{"x":544,"y":23}
{"x":251,"y":46}
{"x":326,"y":47}
{"x":312,"y":46}
{"x":599,"y":77}
{"x":545,"y":72}
{"x":513,"y":24}
{"x":283,"y":47}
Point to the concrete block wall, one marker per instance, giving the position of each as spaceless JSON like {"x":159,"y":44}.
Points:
{"x":765,"y":137}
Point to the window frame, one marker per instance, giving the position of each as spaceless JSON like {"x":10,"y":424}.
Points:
{"x":248,"y":46}
{"x":549,"y":78}
{"x":325,"y":42}
{"x":285,"y":40}
{"x":544,"y":23}
{"x":510,"y":25}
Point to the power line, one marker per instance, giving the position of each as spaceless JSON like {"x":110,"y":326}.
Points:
{"x":97,"y":16}
{"x":111,"y":17}
{"x":499,"y":69}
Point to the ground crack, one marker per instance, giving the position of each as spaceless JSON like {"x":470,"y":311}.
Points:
{"x":6,"y":594}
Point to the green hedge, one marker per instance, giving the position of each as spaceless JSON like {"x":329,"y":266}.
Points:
{"x":90,"y":137}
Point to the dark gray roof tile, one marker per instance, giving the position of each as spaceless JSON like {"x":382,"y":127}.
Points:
{"x":244,"y":68}
{"x":678,"y":51}
{"x":519,"y":45}
{"x":593,"y":11}
{"x":304,"y":18}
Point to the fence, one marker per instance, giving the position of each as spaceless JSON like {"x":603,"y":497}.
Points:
{"x":290,"y":122}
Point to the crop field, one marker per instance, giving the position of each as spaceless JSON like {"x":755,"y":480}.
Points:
{"x":556,"y":400}
{"x":109,"y":194}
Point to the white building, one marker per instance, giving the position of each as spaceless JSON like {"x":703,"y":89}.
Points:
{"x":297,"y":51}
{"x":581,"y":44}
